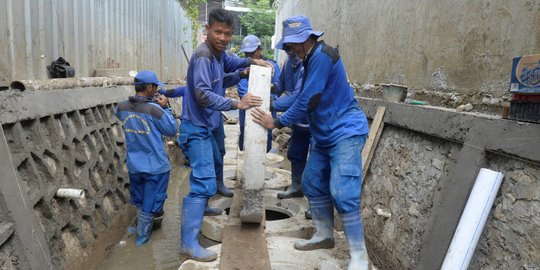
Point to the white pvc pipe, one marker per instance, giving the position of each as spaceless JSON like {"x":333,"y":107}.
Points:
{"x":70,"y":193}
{"x":472,"y":220}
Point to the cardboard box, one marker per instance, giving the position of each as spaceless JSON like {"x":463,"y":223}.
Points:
{"x":526,"y":74}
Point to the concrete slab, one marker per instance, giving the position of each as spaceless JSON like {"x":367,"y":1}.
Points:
{"x":294,"y":226}
{"x":283,"y":256}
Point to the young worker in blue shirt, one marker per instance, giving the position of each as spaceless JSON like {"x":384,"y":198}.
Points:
{"x":290,"y":85}
{"x":145,"y":121}
{"x":201,"y":119}
{"x":251,"y":47}
{"x":229,"y":80}
{"x":333,"y":173}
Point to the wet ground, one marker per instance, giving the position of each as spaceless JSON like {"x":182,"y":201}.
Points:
{"x":162,"y":250}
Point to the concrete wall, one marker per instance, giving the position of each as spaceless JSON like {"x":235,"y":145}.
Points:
{"x":90,"y":35}
{"x":461,"y":49}
{"x":62,"y":138}
{"x":422,"y":172}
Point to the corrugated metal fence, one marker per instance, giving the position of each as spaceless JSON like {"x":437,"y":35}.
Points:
{"x":93,"y":34}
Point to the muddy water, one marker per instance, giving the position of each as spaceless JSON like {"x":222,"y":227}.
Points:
{"x":162,"y":250}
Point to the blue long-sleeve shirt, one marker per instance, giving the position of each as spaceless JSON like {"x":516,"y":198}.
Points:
{"x":327,"y":98}
{"x":144,"y":122}
{"x":290,"y":85}
{"x":174,"y":93}
{"x":206,"y":95}
{"x":229,"y":80}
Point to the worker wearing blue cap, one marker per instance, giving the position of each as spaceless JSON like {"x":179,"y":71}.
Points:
{"x":333,"y":173}
{"x":145,"y":121}
{"x":251,"y":47}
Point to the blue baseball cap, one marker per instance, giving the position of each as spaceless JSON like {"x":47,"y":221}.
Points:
{"x":296,"y":29}
{"x":250,"y":44}
{"x":147,"y":77}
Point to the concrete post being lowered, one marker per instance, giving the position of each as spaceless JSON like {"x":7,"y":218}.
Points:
{"x":255,"y":138}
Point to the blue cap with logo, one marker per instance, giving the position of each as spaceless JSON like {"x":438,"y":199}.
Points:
{"x":147,"y":77}
{"x":250,"y":44}
{"x":296,"y":29}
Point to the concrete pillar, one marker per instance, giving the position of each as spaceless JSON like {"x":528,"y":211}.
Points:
{"x":255,"y":138}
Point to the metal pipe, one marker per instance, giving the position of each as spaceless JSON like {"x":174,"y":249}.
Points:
{"x":54,"y":84}
{"x":70,"y":193}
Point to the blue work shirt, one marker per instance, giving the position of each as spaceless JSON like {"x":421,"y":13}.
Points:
{"x":229,"y":80}
{"x":144,"y":122}
{"x":289,"y":84}
{"x":327,"y":98}
{"x":206,"y":95}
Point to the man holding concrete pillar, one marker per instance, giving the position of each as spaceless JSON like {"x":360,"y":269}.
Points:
{"x":200,"y":129}
{"x":251,"y":47}
{"x":145,"y":121}
{"x":290,"y":85}
{"x":333,"y":173}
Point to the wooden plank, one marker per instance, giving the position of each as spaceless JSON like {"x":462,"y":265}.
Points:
{"x":243,"y":245}
{"x":244,"y":248}
{"x":255,"y":138}
{"x":375,"y":132}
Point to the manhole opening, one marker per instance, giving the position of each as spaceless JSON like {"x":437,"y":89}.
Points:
{"x":275,"y":215}
{"x":270,"y":214}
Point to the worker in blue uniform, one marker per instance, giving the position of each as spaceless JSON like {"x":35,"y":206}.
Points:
{"x":251,"y":47}
{"x":201,"y":119}
{"x":229,"y":80}
{"x":333,"y":173}
{"x":145,"y":121}
{"x":289,"y":86}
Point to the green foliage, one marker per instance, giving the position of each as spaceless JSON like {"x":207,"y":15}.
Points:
{"x":260,"y":21}
{"x":261,"y":18}
{"x":192,"y":9}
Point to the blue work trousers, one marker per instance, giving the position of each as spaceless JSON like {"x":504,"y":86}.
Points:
{"x":148,"y":191}
{"x":299,"y":144}
{"x":205,"y":157}
{"x":336,"y":171}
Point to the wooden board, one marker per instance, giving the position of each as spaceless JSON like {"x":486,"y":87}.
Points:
{"x":243,"y":245}
{"x":375,"y":132}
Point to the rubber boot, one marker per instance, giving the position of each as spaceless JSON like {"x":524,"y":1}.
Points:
{"x":192,"y":216}
{"x":158,"y":219}
{"x":307,"y":214}
{"x":211,"y":211}
{"x":144,"y":228}
{"x":221,"y":188}
{"x":354,"y":231}
{"x":322,"y":211}
{"x":295,"y":189}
